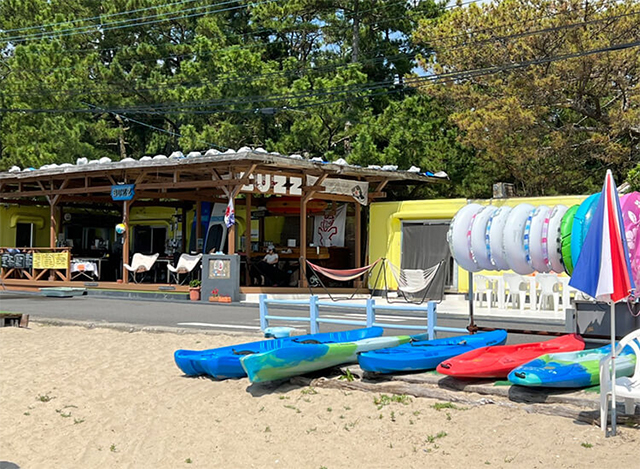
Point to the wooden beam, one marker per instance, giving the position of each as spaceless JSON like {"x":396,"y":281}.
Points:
{"x":198,"y":223}
{"x":303,"y":242}
{"x":125,"y":244}
{"x":247,"y":238}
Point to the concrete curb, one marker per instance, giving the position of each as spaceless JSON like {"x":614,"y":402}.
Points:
{"x":123,"y":327}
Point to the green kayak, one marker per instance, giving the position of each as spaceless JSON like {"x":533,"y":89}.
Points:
{"x":299,"y":359}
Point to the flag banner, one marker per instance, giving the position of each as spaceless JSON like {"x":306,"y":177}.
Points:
{"x":357,"y":189}
{"x":328,"y":230}
{"x":230,"y":215}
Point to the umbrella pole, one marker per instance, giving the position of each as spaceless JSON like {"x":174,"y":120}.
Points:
{"x":613,"y":368}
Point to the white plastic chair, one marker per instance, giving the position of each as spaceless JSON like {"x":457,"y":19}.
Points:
{"x":140,"y":264}
{"x":549,"y":290}
{"x":185,"y":265}
{"x":482,"y":289}
{"x":518,"y":288}
{"x":627,"y":387}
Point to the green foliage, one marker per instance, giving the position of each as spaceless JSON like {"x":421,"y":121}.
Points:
{"x":291,"y":76}
{"x":195,"y":283}
{"x":553,"y":127}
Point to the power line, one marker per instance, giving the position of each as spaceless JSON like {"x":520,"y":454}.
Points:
{"x":258,"y":76}
{"x":448,"y":76}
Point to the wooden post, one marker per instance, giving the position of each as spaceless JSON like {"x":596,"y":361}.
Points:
{"x":185,"y":210}
{"x":358,"y":247}
{"x":303,"y":241}
{"x":247,"y":237}
{"x":198,"y":233}
{"x":125,"y":244}
{"x":53,"y":232}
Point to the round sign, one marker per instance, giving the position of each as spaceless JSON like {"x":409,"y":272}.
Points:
{"x":121,"y":228}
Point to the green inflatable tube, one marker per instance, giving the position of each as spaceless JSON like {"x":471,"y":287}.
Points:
{"x":565,"y":232}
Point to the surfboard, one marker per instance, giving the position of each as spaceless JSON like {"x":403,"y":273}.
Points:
{"x":554,"y":238}
{"x":216,"y":234}
{"x":565,"y":233}
{"x":205,"y":214}
{"x":494,"y":235}
{"x":513,"y":241}
{"x":459,"y":237}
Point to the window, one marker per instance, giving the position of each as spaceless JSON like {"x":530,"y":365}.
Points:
{"x":24,"y":235}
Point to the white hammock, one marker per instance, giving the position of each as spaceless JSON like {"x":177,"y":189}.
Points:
{"x":414,"y":280}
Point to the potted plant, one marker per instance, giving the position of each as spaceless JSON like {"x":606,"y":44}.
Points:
{"x":214,"y":296}
{"x":194,"y":289}
{"x":224,"y":299}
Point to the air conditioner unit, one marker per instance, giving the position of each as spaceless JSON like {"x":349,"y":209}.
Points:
{"x":502,"y":190}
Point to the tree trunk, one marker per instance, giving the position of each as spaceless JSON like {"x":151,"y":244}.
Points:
{"x":355,"y":36}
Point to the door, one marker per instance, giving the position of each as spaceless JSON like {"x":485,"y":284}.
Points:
{"x":424,"y":244}
{"x":24,"y":235}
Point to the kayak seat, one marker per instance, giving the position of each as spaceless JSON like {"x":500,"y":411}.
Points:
{"x":309,"y":341}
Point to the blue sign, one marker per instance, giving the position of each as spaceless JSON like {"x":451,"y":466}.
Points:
{"x":122,"y":192}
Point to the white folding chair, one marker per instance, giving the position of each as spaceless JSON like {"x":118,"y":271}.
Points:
{"x":186,"y":264}
{"x":627,"y":388}
{"x":141,"y":264}
{"x":517,"y":288}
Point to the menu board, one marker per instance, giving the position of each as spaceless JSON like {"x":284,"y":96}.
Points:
{"x":51,"y":260}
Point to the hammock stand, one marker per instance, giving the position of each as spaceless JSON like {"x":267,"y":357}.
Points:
{"x":413,"y":281}
{"x":340,"y":275}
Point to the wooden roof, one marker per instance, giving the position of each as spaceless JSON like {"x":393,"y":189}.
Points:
{"x":188,"y":178}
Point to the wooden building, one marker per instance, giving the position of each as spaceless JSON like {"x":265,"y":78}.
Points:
{"x":250,"y":178}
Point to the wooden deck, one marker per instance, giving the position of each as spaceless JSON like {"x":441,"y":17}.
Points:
{"x":34,"y":285}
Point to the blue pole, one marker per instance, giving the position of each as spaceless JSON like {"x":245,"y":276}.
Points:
{"x":371,"y":315}
{"x":431,"y":319}
{"x":313,"y":314}
{"x":264,"y":322}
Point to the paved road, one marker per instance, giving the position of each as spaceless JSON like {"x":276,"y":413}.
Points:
{"x":211,"y":317}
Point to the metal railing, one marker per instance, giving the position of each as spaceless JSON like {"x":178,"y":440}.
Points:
{"x":370,"y":307}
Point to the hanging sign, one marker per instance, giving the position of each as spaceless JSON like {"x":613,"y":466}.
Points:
{"x":122,"y":192}
{"x":50,"y":260}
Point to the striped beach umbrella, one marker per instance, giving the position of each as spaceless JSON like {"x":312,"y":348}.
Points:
{"x":603,"y":269}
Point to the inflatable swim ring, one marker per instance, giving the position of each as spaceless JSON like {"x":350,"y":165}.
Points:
{"x":513,"y":239}
{"x":479,"y":251}
{"x":581,"y":223}
{"x":535,"y":239}
{"x":554,"y":238}
{"x":565,"y":234}
{"x":630,"y":207}
{"x":494,"y":237}
{"x":459,"y":237}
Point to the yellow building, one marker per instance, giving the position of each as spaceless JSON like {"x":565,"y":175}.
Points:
{"x":395,"y":227}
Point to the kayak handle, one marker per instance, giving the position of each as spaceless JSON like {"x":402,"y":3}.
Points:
{"x":519,"y":374}
{"x":446,"y":366}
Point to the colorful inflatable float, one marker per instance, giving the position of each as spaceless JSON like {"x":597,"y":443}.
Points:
{"x":527,"y":239}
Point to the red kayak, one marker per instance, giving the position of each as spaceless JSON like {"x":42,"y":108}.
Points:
{"x":498,"y":360}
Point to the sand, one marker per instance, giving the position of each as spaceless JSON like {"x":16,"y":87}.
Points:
{"x":72,"y":397}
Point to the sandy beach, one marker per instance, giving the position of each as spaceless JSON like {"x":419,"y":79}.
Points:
{"x":72,"y":397}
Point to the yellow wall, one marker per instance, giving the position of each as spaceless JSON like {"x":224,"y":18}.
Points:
{"x":12,"y":214}
{"x":385,"y":225}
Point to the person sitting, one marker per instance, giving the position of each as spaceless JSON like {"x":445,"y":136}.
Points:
{"x":268,"y":267}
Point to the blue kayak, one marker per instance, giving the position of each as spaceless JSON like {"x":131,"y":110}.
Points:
{"x":224,"y":362}
{"x":571,"y":369}
{"x":426,"y":354}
